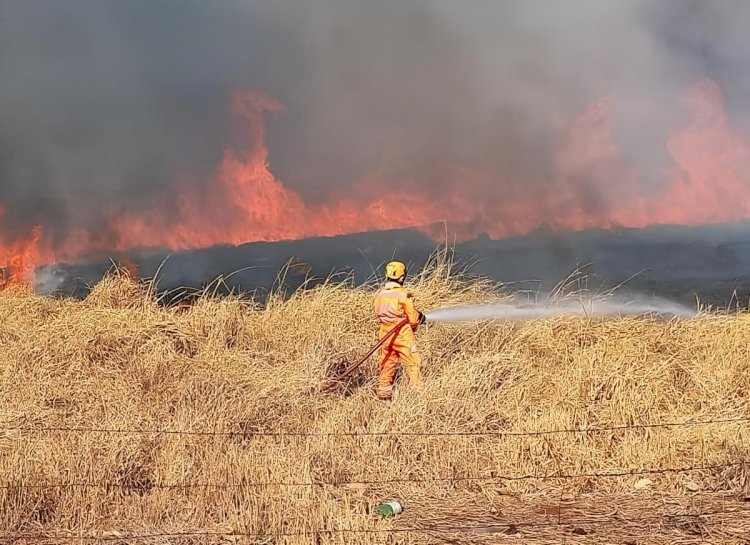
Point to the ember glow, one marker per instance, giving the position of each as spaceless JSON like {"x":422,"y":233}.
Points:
{"x":708,"y":181}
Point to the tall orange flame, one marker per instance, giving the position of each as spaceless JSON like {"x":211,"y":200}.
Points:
{"x":19,"y":258}
{"x":594,"y":185}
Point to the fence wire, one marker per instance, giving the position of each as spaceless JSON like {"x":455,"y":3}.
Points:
{"x":403,"y":480}
{"x":396,"y":433}
{"x":493,"y":527}
{"x":575,"y":526}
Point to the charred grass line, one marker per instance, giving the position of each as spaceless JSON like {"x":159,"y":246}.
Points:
{"x":573,"y":524}
{"x":533,"y":433}
{"x":493,"y":478}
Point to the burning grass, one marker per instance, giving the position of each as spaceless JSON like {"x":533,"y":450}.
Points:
{"x":227,"y":371}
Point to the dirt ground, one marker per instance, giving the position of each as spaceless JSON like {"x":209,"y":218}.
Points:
{"x":642,"y":518}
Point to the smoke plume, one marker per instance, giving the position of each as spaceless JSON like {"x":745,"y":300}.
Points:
{"x":187,"y":124}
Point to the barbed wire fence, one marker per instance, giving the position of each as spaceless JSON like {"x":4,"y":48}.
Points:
{"x":576,"y":526}
{"x":494,"y":527}
{"x":507,"y":528}
{"x":404,"y":480}
{"x":448,"y":433}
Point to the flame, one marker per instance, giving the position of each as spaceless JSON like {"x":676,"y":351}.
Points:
{"x":593,"y":185}
{"x":19,"y":258}
{"x":247,"y":203}
{"x":712,"y":180}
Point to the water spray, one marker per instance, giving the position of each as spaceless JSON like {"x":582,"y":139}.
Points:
{"x":523,"y":310}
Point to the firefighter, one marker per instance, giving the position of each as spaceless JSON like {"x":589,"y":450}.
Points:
{"x":394,"y":304}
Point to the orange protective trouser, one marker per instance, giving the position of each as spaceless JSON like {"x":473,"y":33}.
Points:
{"x":400,"y":347}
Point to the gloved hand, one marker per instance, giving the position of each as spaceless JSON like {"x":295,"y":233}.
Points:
{"x":422,"y":319}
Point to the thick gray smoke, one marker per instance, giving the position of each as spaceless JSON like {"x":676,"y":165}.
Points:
{"x":108,"y":106}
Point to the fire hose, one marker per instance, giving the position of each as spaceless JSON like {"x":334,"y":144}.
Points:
{"x":353,"y":367}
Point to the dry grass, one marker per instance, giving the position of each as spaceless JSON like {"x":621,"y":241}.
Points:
{"x":119,"y":361}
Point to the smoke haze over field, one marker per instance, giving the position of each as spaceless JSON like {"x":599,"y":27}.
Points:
{"x":185,"y":124}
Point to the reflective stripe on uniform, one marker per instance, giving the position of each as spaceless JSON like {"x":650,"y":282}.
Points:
{"x":387,"y":306}
{"x":393,"y":294}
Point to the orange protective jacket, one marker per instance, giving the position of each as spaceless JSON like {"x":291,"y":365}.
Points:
{"x":393,"y":303}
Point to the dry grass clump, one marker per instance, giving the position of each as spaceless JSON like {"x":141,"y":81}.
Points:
{"x":80,"y":379}
{"x":119,"y":289}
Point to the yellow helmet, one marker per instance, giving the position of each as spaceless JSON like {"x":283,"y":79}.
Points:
{"x":395,"y":270}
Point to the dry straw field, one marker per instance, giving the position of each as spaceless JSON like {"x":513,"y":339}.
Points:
{"x":124,"y":421}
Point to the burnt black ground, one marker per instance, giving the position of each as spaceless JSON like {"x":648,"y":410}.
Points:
{"x":711,"y":263}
